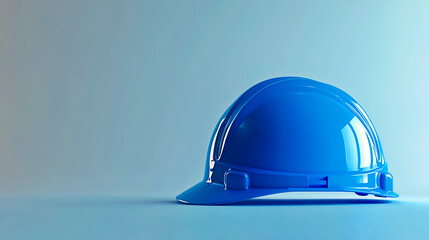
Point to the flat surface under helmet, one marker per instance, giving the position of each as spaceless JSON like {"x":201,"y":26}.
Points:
{"x":292,"y":134}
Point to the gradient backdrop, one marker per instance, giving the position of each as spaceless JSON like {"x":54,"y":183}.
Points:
{"x":120,"y":98}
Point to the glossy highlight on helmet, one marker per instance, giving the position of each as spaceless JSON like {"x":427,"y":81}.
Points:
{"x":292,"y":134}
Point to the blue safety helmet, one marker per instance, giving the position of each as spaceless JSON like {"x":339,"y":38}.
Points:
{"x":292,"y":134}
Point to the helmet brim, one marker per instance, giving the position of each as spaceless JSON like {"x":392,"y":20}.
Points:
{"x":205,"y":193}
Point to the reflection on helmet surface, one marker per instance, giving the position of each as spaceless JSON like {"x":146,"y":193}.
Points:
{"x":359,"y":152}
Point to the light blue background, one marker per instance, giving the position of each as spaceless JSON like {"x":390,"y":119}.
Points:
{"x":119,"y":98}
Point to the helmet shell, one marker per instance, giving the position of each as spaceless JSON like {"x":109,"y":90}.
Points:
{"x":292,"y":134}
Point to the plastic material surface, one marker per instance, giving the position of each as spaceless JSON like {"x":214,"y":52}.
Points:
{"x":292,"y":134}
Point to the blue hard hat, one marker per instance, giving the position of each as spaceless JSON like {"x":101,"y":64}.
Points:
{"x":292,"y":134}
